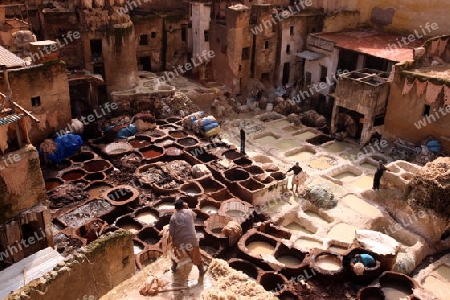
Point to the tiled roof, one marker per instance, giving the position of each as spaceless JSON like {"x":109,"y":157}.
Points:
{"x":9,"y":59}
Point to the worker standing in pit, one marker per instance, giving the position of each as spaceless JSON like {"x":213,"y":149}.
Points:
{"x":299,"y":176}
{"x":378,"y":174}
{"x":184,"y":237}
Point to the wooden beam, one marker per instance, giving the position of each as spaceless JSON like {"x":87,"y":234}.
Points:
{"x":27,"y":112}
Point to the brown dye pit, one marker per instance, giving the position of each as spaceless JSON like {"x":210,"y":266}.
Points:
{"x":82,"y":157}
{"x":252,"y":185}
{"x":96,"y":190}
{"x":191,"y":189}
{"x":371,"y":293}
{"x":210,"y":185}
{"x":187,"y":141}
{"x":120,"y":195}
{"x":271,"y":281}
{"x":73,"y":175}
{"x":232,"y":155}
{"x":178,"y":134}
{"x":319,"y":139}
{"x":98,"y":176}
{"x":236,"y":175}
{"x":149,"y":235}
{"x":127,"y":223}
{"x":96,"y":165}
{"x":151,"y":153}
{"x":139,"y":143}
{"x":50,"y":184}
{"x":245,"y":267}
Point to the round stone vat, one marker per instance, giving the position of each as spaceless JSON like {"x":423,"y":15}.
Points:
{"x":149,"y":235}
{"x":73,"y":174}
{"x":245,"y":267}
{"x":128,"y":223}
{"x":192,"y":202}
{"x":236,"y":209}
{"x":291,"y":258}
{"x":191,"y":189}
{"x":236,"y":175}
{"x":151,"y":152}
{"x":161,"y":122}
{"x":165,"y":204}
{"x":200,"y":219}
{"x":173,"y":151}
{"x":210,"y":245}
{"x":117,"y":148}
{"x":157,"y":133}
{"x":165,"y":141}
{"x":369,"y":273}
{"x":370,"y":293}
{"x":278,"y":175}
{"x":231,"y":154}
{"x":215,"y":224}
{"x":111,"y":229}
{"x":146,"y":257}
{"x":52,"y":183}
{"x":254,"y":170}
{"x":169,"y":127}
{"x":187,"y":141}
{"x":264,"y":178}
{"x":327,"y":264}
{"x":255,"y":245}
{"x":178,"y":134}
{"x":138,"y":246}
{"x":82,"y":156}
{"x":395,"y":285}
{"x":209,"y":207}
{"x":139,"y":142}
{"x":319,"y":139}
{"x":173,"y":120}
{"x":121,"y":195}
{"x":287,"y":295}
{"x":210,"y":185}
{"x":96,"y":190}
{"x":243,"y":162}
{"x":273,"y":282}
{"x":205,"y":157}
{"x":90,"y":230}
{"x":252,"y":185}
{"x":97,"y":176}
{"x":262,"y":159}
{"x":146,"y":216}
{"x":97,"y":165}
{"x":221,"y":195}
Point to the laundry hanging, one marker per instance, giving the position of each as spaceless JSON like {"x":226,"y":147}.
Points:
{"x":420,"y":87}
{"x":432,"y":92}
{"x":407,"y":87}
{"x":446,"y":95}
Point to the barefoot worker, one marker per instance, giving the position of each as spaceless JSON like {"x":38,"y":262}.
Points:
{"x":378,"y":174}
{"x":299,"y":176}
{"x":183,"y":234}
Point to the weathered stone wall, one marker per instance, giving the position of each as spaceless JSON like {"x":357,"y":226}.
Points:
{"x":340,"y":20}
{"x":151,"y":26}
{"x":47,"y":81}
{"x":176,"y":49}
{"x":33,"y":191}
{"x":106,"y":262}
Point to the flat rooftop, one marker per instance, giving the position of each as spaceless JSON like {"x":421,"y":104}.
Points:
{"x":441,"y":72}
{"x":376,"y":43}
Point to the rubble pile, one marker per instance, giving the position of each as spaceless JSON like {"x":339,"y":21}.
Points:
{"x":430,"y":187}
{"x":177,"y":105}
{"x":66,"y":194}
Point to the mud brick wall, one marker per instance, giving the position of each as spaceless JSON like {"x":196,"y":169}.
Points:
{"x":104,"y":264}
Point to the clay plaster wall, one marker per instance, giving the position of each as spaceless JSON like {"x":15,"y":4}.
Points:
{"x":176,"y":49}
{"x":33,"y":191}
{"x":330,"y":61}
{"x":10,"y":27}
{"x":118,"y":57}
{"x":265,"y":58}
{"x":340,"y":20}
{"x":228,"y":43}
{"x":405,"y":16}
{"x":49,"y":82}
{"x":147,"y":26}
{"x":200,"y":23}
{"x":405,"y":110}
{"x":107,"y":262}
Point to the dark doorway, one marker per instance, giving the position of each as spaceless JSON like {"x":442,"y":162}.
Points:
{"x":286,"y":73}
{"x":96,"y":49}
{"x":377,"y":63}
{"x":347,"y":60}
{"x":146,"y":63}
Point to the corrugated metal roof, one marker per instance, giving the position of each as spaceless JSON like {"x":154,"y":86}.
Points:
{"x":309,"y":55}
{"x":9,"y":59}
{"x":10,"y":119}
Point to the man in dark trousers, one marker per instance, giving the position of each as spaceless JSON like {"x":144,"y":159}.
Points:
{"x":377,"y":177}
{"x":299,"y":176}
{"x":184,"y":238}
{"x":242,"y":141}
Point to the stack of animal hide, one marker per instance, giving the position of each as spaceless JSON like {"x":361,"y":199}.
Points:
{"x":234,"y":232}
